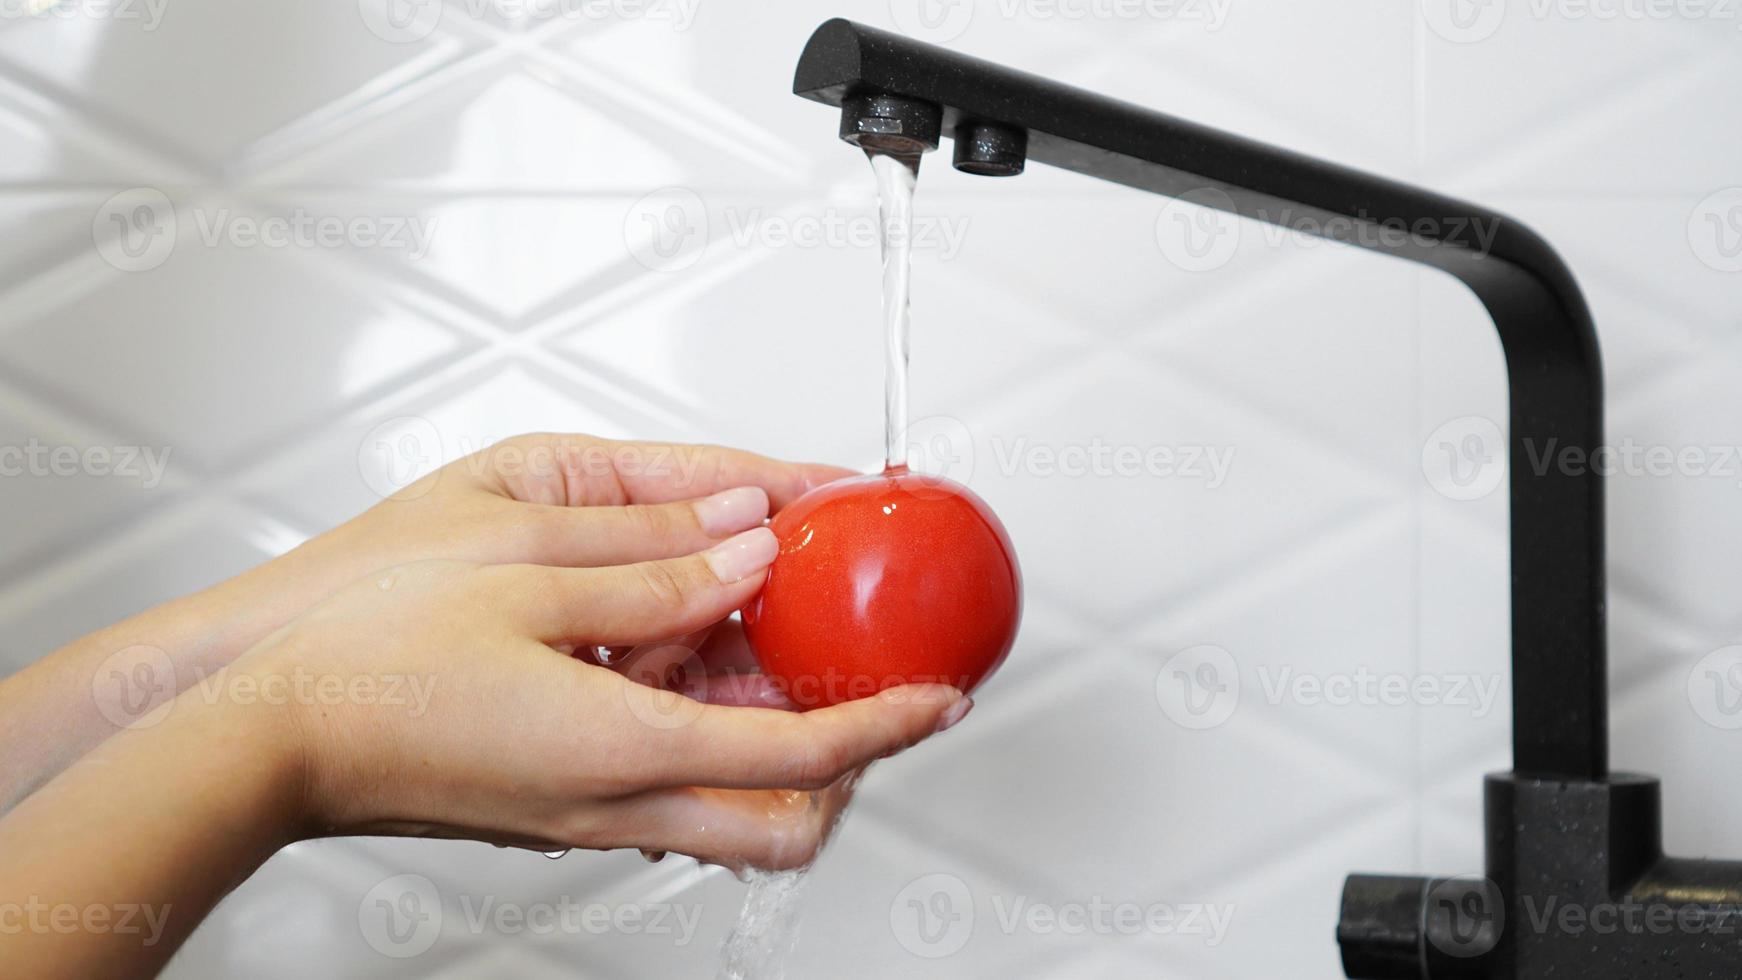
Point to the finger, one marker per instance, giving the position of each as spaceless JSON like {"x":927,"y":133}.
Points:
{"x":700,"y":470}
{"x":766,"y":829}
{"x":694,"y":744}
{"x":580,"y":470}
{"x":589,"y":536}
{"x":629,"y":604}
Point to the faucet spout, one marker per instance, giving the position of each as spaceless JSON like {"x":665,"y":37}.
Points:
{"x":1001,"y":118}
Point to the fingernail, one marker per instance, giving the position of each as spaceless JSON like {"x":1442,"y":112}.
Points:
{"x":740,"y":557}
{"x":955,"y":713}
{"x":731,"y":511}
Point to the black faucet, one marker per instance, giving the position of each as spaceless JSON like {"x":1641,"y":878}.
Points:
{"x":1576,"y":883}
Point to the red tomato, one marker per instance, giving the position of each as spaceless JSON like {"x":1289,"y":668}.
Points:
{"x":885,"y":580}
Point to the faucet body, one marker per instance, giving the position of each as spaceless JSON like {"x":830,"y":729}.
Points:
{"x":1562,"y":831}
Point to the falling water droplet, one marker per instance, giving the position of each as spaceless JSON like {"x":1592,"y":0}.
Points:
{"x":553,"y":855}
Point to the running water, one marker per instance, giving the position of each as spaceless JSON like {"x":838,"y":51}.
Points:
{"x":767,"y":929}
{"x":896,"y":179}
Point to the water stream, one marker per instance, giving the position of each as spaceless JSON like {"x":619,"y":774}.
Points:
{"x":767,"y":931}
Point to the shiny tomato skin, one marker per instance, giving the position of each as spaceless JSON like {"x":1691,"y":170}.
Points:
{"x":883,"y":580}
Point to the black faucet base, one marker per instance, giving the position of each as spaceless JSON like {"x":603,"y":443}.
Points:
{"x":1576,"y":886}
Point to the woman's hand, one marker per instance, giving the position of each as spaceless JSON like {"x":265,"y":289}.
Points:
{"x":431,"y":699}
{"x":502,"y":738}
{"x":560,"y":500}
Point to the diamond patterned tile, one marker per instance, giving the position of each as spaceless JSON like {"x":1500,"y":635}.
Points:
{"x":352,"y":463}
{"x":522,"y":128}
{"x":46,"y":144}
{"x":1343,"y":318}
{"x":507,"y":260}
{"x":1137,"y":803}
{"x":750,"y":309}
{"x":173,"y":555}
{"x":1610,"y":104}
{"x":43,"y":231}
{"x":241,"y":73}
{"x":62,"y":484}
{"x":1319,"y":642}
{"x":262,"y":343}
{"x":567,"y":153}
{"x":1175,"y":460}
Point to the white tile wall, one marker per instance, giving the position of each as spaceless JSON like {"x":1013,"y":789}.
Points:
{"x":527,"y":135}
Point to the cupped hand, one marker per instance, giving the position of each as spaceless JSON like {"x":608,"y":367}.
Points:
{"x":496,"y":735}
